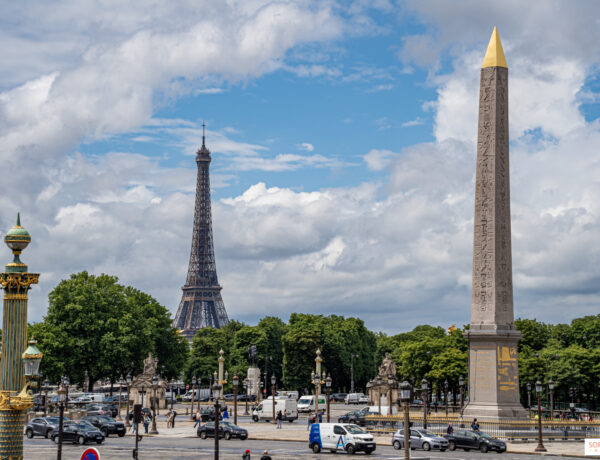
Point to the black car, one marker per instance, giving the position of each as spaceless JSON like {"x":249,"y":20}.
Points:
{"x":227,"y":430}
{"x":101,"y":409}
{"x":338,"y":397}
{"x":114,"y":399}
{"x":42,"y":426}
{"x":354,"y":416}
{"x":469,"y":439}
{"x":79,"y":433}
{"x":106,"y":424}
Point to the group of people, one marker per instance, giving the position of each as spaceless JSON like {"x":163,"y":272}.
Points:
{"x":313,"y":418}
{"x":265,"y":456}
{"x":474,"y":427}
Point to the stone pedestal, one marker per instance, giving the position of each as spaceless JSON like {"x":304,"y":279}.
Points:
{"x":254,"y":378}
{"x":493,"y":375}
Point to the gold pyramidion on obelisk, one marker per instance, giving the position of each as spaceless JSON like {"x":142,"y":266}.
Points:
{"x":493,"y":338}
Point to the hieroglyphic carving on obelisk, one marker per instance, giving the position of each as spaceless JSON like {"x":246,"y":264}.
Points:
{"x":493,"y":365}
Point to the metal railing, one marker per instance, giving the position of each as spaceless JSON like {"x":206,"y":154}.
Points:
{"x":511,"y":430}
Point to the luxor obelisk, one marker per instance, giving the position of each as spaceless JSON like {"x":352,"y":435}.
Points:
{"x":493,"y":338}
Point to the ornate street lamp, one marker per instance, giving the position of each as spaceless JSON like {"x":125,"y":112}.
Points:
{"x":273,"y":382}
{"x":154,"y":402}
{"x":142,"y":392}
{"x":538,"y":389}
{"x":194,"y":381}
{"x":246,"y":391}
{"x":424,"y":386}
{"x":62,"y":398}
{"x":66,"y":383}
{"x":446,"y":395}
{"x":216,"y":388}
{"x":461,"y":385}
{"x":128,"y":382}
{"x":551,"y":391}
{"x":32,"y":357}
{"x":529,"y":399}
{"x":236,"y":381}
{"x":121,"y":383}
{"x":46,"y":388}
{"x":404,"y":399}
{"x":317,"y":380}
{"x":328,"y":386}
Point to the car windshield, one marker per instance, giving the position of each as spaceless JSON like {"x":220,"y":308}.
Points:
{"x":53,"y":420}
{"x":85,"y":426}
{"x":304,"y":401}
{"x":104,"y":418}
{"x":484,"y":435}
{"x":428,"y":433}
{"x":354,"y":429}
{"x":228,"y":424}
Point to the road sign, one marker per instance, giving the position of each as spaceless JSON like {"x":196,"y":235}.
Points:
{"x":90,"y":454}
{"x":592,"y":446}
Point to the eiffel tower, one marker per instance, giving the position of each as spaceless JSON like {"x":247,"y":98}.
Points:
{"x":201,"y":303}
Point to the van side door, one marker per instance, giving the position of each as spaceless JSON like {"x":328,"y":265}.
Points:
{"x":338,"y":438}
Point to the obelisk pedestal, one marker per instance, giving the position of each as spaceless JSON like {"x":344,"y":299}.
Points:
{"x":493,"y":338}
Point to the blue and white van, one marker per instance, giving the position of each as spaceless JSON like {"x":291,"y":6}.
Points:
{"x":344,"y":437}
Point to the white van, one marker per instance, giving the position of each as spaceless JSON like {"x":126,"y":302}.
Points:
{"x":355,"y":398}
{"x":287,"y":406}
{"x":292,"y":394}
{"x":340,"y":437}
{"x":307,"y":403}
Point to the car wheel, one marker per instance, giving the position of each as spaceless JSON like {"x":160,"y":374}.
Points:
{"x":55,"y":439}
{"x":350,"y":449}
{"x":81,"y":440}
{"x":104,"y":432}
{"x":316,"y":448}
{"x":49,"y":433}
{"x":452,"y":445}
{"x":121,"y":434}
{"x":368,"y":452}
{"x":442,"y":450}
{"x":29,"y":433}
{"x":397,"y":445}
{"x":99,"y":441}
{"x":255,"y":418}
{"x":483,"y":448}
{"x":467,"y":449}
{"x":426,"y":446}
{"x":227,"y":435}
{"x":203,"y":434}
{"x":243,"y":438}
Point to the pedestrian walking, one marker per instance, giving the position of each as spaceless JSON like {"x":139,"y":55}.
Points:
{"x":174,"y":415}
{"x":170,"y":419}
{"x":147,"y":421}
{"x":278,"y":417}
{"x":198,"y":418}
{"x":225,"y":414}
{"x":246,"y":455}
{"x":449,"y":430}
{"x":320,"y":417}
{"x":265,"y":455}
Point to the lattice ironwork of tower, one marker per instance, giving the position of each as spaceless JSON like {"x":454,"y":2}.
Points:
{"x":201,"y":303}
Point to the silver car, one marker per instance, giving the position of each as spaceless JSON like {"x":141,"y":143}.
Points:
{"x":420,"y":439}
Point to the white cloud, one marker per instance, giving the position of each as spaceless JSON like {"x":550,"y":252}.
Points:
{"x":416,"y":122}
{"x":378,"y":160}
{"x":305,"y":146}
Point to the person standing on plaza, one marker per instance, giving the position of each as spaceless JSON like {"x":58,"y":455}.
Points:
{"x":225,"y":414}
{"x":147,"y":421}
{"x":278,"y":417}
{"x":475,"y":425}
{"x":246,"y":455}
{"x":449,"y":430}
{"x":265,"y":455}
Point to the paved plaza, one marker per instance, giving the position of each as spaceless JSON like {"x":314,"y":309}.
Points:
{"x":289,"y":442}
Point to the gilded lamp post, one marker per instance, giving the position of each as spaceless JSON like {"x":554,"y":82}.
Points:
{"x":20,"y":363}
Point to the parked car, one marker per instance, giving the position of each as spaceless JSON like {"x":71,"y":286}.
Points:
{"x":250,"y":398}
{"x":114,"y":399}
{"x":353,"y":398}
{"x":228,"y":397}
{"x":42,"y":426}
{"x":420,"y":439}
{"x":469,"y":439}
{"x":83,"y":399}
{"x":338,"y":397}
{"x":354,"y":416}
{"x":79,"y":433}
{"x":364,"y":399}
{"x":227,"y":430}
{"x":101,"y":409}
{"x":107,"y":425}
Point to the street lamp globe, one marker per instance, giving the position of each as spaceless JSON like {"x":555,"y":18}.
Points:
{"x":461,"y":381}
{"x":216,"y":391}
{"x":62,"y":394}
{"x":390,"y":379}
{"x":273,"y":379}
{"x":32,"y":357}
{"x":155,"y":381}
{"x":194,"y":380}
{"x":379,"y":380}
{"x":215,"y":376}
{"x":46,"y":384}
{"x":538,"y":387}
{"x":446,"y":385}
{"x":66,"y":380}
{"x":128,"y":379}
{"x":529,"y":387}
{"x":236,"y":380}
{"x":226,"y":375}
{"x":551,"y":385}
{"x":424,"y":385}
{"x":405,"y":391}
{"x":328,"y":381}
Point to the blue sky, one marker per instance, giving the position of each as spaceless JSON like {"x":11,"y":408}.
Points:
{"x":343,"y":141}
